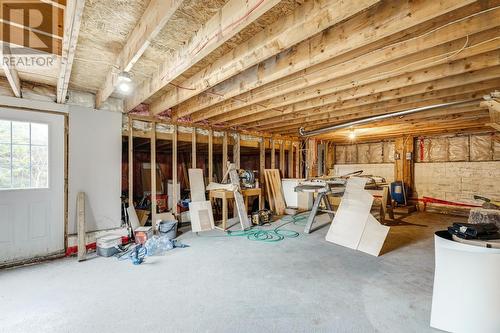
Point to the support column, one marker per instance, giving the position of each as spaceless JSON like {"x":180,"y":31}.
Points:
{"x":282,"y":158}
{"x":130,"y":163}
{"x":290,"y":159}
{"x":236,"y":151}
{"x":210,"y":155}
{"x":297,"y":160}
{"x":262,"y":161}
{"x":224,"y":154}
{"x":153,"y":173}
{"x":273,"y":154}
{"x":193,"y":148}
{"x":403,"y":166}
{"x":175,"y":195}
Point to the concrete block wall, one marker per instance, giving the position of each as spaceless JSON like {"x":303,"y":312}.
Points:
{"x":385,"y":170}
{"x":458,"y":181}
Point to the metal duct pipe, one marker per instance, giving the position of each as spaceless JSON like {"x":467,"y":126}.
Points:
{"x":305,"y":133}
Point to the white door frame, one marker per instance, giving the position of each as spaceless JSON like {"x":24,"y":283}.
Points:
{"x":60,"y":111}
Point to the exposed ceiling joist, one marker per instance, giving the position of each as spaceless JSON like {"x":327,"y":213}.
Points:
{"x":389,"y":18}
{"x":156,"y":15}
{"x":72,"y":21}
{"x":10,"y":71}
{"x":306,"y":21}
{"x":234,"y":16}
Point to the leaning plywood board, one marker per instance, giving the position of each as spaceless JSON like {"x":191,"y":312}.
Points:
{"x":197,"y":185}
{"x":353,"y":226}
{"x":202,"y":218}
{"x":238,"y":198}
{"x":80,"y":208}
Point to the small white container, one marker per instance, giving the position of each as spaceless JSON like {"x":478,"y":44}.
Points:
{"x":106,"y":246}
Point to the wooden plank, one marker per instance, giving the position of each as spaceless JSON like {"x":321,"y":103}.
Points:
{"x":393,"y":60}
{"x":390,"y":18}
{"x":229,"y":20}
{"x":82,"y":236}
{"x":282,"y":158}
{"x":298,"y":172}
{"x":196,"y":185}
{"x":238,"y":198}
{"x":153,"y":174}
{"x":72,"y":20}
{"x":224,"y":153}
{"x":10,"y":71}
{"x":175,"y":195}
{"x":309,"y":19}
{"x":193,"y":148}
{"x":236,"y":151}
{"x":274,"y":191}
{"x":262,"y":161}
{"x":273,"y":154}
{"x":290,"y":159}
{"x":210,"y":156}
{"x":403,"y":167}
{"x":156,"y":15}
{"x":130,"y":163}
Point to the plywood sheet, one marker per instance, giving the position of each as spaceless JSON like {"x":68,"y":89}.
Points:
{"x":197,"y":185}
{"x":202,"y":218}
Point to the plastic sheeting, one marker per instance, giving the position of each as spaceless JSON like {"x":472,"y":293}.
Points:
{"x":438,"y":150}
{"x":375,"y":153}
{"x":363,"y":153}
{"x":458,"y":148}
{"x":351,"y":154}
{"x":481,"y":148}
{"x":389,"y":150}
{"x":340,"y":154}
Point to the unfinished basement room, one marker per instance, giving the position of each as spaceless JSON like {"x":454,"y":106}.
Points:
{"x":250,"y":166}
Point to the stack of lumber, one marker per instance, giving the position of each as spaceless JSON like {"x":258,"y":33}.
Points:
{"x":274,"y":191}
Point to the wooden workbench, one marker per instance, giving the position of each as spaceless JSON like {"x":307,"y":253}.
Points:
{"x":225,"y":195}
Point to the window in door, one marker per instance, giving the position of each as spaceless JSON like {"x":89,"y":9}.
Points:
{"x":24,"y":155}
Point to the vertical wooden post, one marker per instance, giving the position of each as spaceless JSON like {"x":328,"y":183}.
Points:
{"x":290,"y":159}
{"x":193,"y":148}
{"x":236,"y":151}
{"x":130,"y":163}
{"x":224,"y":154}
{"x":210,"y":155}
{"x":297,"y":160}
{"x":80,"y":211}
{"x":273,"y":154}
{"x":175,"y":195}
{"x":153,"y":173}
{"x":282,"y":158}
{"x":262,"y":161}
{"x":403,"y":167}
{"x":301,"y":162}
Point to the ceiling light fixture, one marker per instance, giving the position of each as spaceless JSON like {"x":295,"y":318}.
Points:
{"x":352,"y":134}
{"x":124,"y":83}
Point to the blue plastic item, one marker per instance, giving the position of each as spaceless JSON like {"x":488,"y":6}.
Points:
{"x":399,"y":192}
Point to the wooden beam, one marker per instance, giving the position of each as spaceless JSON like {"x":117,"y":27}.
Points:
{"x":273,"y":154}
{"x":403,"y":167}
{"x":210,"y":155}
{"x":236,"y":151}
{"x":156,"y":15}
{"x":175,"y":195}
{"x":130,"y":163}
{"x":290,"y":159}
{"x":193,"y":148}
{"x":309,"y":19}
{"x":392,"y":60}
{"x":282,"y":158}
{"x":494,"y":112}
{"x":389,"y":18}
{"x":262,"y":161}
{"x":72,"y":20}
{"x":224,"y":153}
{"x":300,"y":160}
{"x":228,"y":21}
{"x":153,"y":173}
{"x":10,"y":71}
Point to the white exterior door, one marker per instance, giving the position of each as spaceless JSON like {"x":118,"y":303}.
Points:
{"x":31,"y":184}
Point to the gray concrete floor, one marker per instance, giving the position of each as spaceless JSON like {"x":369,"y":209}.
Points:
{"x":232,"y":284}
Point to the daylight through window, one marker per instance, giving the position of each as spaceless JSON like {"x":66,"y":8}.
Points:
{"x":24,"y":155}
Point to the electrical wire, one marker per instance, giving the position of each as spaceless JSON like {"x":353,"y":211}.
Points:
{"x":269,"y":236}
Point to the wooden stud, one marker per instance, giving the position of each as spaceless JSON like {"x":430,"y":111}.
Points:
{"x":273,"y":154}
{"x":175,"y":195}
{"x":262,"y":161}
{"x":130,"y":163}
{"x":224,"y":153}
{"x":298,"y":154}
{"x":193,"y":148}
{"x":236,"y":151}
{"x":153,"y":173}
{"x":403,"y":167}
{"x":82,"y":236}
{"x":210,"y":155}
{"x":282,"y":158}
{"x":290,"y":159}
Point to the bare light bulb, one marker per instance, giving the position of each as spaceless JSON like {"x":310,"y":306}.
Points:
{"x":352,"y":135}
